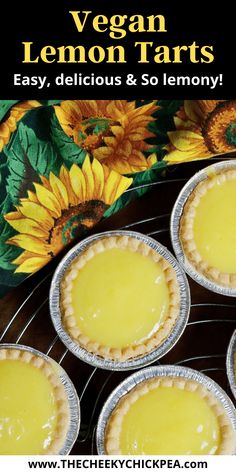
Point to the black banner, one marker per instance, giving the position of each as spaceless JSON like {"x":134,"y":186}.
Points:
{"x":97,"y":49}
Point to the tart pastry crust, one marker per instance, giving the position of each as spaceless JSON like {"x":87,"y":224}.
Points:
{"x":67,"y":311}
{"x":57,"y":388}
{"x":114,"y":425}
{"x":190,"y":249}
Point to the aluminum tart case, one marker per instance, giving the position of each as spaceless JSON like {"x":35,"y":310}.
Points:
{"x":175,"y":224}
{"x":73,"y":400}
{"x":159,"y":371}
{"x":97,"y":361}
{"x":231,"y":363}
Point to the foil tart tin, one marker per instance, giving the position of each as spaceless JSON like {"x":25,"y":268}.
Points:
{"x":95,"y":360}
{"x":156,"y":372}
{"x":175,"y":225}
{"x":231,"y":364}
{"x":72,"y":397}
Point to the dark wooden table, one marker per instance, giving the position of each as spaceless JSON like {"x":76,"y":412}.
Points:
{"x":25,"y":315}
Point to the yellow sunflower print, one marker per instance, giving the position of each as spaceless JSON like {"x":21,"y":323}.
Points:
{"x":9,"y":125}
{"x":60,"y":209}
{"x":204,"y":128}
{"x":113,"y":131}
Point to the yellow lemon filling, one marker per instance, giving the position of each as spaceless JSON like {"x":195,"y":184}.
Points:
{"x":27,"y":409}
{"x":214,"y":226}
{"x":169,"y":420}
{"x":120,"y":298}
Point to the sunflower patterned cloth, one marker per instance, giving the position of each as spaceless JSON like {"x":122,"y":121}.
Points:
{"x":67,"y":164}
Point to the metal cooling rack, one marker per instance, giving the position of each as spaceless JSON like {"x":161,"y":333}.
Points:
{"x":25,"y":313}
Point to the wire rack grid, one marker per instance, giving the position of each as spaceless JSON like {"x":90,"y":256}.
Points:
{"x":25,"y":313}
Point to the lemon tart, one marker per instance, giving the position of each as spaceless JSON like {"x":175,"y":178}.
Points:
{"x":169,"y":416}
{"x":119,"y":298}
{"x":208,"y":228}
{"x":231,"y":363}
{"x":34,"y":411}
